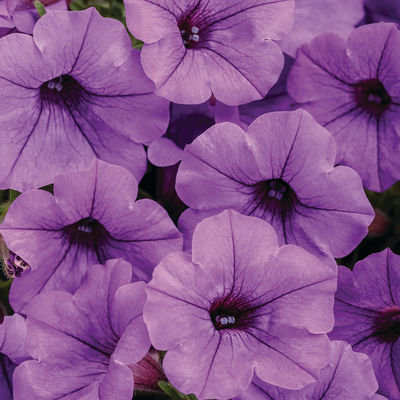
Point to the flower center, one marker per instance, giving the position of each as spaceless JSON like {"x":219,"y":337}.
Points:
{"x":63,"y":91}
{"x":88,"y":234}
{"x":372,"y":97}
{"x":232,"y":312}
{"x":274,"y":196}
{"x":193,"y":24}
{"x":190,"y":36}
{"x":387,"y":325}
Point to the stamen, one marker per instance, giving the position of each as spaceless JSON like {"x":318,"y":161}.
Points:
{"x":84,"y":228}
{"x":195,"y":29}
{"x":225,"y":320}
{"x":195,"y":38}
{"x":375,"y":99}
{"x":53,"y":85}
{"x":272,"y":193}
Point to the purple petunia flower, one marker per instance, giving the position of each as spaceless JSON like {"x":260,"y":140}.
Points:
{"x":367,"y":315}
{"x":85,"y":343}
{"x":348,"y":375}
{"x":240,"y":305}
{"x":353,"y":89}
{"x":195,"y":48}
{"x":92,"y":217}
{"x":73,"y":92}
{"x":12,"y":352}
{"x":281,"y":170}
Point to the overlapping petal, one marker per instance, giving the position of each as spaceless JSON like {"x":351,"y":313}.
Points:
{"x":231,"y":55}
{"x":348,"y":375}
{"x":320,"y":208}
{"x":352,"y":88}
{"x":74,"y":338}
{"x":238,"y":271}
{"x":93,"y":217}
{"x":73,"y":92}
{"x":367,"y":314}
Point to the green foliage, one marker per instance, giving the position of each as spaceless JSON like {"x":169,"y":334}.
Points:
{"x":174,"y":393}
{"x":40,"y":8}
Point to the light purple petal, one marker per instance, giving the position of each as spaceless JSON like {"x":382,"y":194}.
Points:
{"x":313,"y":18}
{"x":12,"y":338}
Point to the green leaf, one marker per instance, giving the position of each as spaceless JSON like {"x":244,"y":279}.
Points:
{"x":40,"y":8}
{"x":13,"y":195}
{"x":174,"y":393}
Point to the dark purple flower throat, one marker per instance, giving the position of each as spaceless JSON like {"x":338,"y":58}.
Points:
{"x":193,"y":25}
{"x":371,"y":96}
{"x":63,"y":91}
{"x":232,"y":312}
{"x":274,"y":196}
{"x":88,"y":235}
{"x":387,"y":325}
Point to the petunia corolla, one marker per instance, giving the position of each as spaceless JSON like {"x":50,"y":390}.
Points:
{"x":281,"y":170}
{"x":240,"y":306}
{"x":352,"y":88}
{"x":312,"y":18}
{"x":73,"y":92}
{"x":12,"y":351}
{"x":367,"y":315}
{"x":91,"y":218}
{"x":349,"y":375}
{"x":84,"y":343}
{"x":195,"y":48}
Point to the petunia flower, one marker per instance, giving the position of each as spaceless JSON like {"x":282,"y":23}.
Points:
{"x":12,"y":352}
{"x":195,"y":48}
{"x":367,"y":315}
{"x":352,"y":88}
{"x":281,"y":170}
{"x":73,"y":92}
{"x":349,"y":375}
{"x":85,"y":343}
{"x":240,"y":305}
{"x":91,"y":218}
